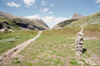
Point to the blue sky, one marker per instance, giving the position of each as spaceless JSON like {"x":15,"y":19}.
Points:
{"x":50,"y":11}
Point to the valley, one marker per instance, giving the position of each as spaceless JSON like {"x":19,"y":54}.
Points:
{"x":54,"y":47}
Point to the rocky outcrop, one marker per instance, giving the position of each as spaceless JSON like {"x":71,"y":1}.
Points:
{"x":1,"y":25}
{"x":77,"y":16}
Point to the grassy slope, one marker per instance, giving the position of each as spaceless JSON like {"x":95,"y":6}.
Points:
{"x":64,"y":23}
{"x":89,"y":30}
{"x":53,"y":48}
{"x":9,"y":40}
{"x":95,"y":18}
{"x":12,"y":25}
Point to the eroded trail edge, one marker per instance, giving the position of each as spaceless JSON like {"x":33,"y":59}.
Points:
{"x":14,"y":51}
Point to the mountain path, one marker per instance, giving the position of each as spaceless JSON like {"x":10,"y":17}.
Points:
{"x":14,"y":51}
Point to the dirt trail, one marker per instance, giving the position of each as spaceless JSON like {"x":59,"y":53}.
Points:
{"x":14,"y":52}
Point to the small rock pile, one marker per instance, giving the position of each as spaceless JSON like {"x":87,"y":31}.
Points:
{"x":79,"y":43}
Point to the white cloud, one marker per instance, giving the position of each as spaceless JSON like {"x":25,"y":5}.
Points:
{"x":98,"y":1}
{"x":52,"y":21}
{"x":37,"y":16}
{"x":50,"y":12}
{"x":59,"y":19}
{"x":29,"y":2}
{"x":51,"y":4}
{"x":49,"y":20}
{"x":12,"y":4}
{"x":44,"y":10}
{"x":43,"y":2}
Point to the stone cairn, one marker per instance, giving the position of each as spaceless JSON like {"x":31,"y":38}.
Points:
{"x":79,"y":43}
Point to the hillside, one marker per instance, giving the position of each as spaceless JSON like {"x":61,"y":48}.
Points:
{"x":91,"y":19}
{"x":66,"y":22}
{"x":63,"y":24}
{"x":73,"y":22}
{"x":15,"y":22}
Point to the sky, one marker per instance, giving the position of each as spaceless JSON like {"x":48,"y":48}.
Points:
{"x":50,"y":11}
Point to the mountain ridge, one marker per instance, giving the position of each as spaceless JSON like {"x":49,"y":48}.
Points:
{"x":31,"y":24}
{"x":83,"y":21}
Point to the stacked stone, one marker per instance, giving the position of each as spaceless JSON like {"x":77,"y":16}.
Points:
{"x":79,"y":43}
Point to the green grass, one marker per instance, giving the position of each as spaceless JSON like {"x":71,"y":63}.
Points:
{"x":9,"y":40}
{"x":68,"y":32}
{"x":16,"y":58}
{"x":90,"y":30}
{"x":54,"y":48}
{"x":73,"y":61}
{"x":15,"y":62}
{"x":48,"y":50}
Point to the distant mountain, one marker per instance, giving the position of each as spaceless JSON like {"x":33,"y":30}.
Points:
{"x":15,"y":22}
{"x":66,"y":22}
{"x":77,"y":16}
{"x":88,"y":20}
{"x":79,"y":20}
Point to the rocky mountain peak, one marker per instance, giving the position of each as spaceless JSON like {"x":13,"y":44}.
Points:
{"x":77,"y":16}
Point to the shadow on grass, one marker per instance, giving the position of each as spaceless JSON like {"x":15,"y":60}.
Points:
{"x":84,"y":50}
